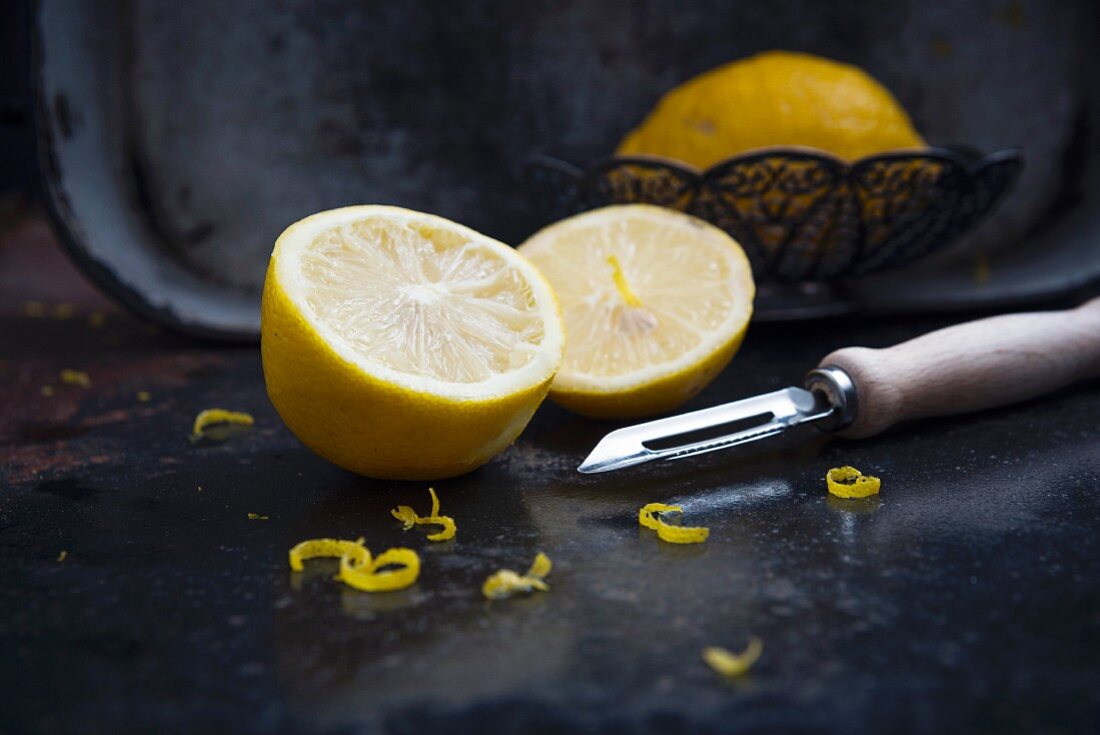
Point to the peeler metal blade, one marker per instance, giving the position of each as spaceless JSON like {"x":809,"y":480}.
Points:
{"x":709,"y":429}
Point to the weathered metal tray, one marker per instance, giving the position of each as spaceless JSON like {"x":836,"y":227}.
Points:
{"x":178,"y":139}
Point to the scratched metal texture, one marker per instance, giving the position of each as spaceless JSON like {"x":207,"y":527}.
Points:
{"x":965,"y":598}
{"x":179,"y":139}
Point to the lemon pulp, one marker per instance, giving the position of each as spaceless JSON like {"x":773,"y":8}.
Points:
{"x":422,"y":300}
{"x":655,"y":303}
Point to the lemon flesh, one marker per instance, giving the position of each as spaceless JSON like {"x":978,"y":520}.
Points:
{"x":777,"y":98}
{"x":656,"y":303}
{"x":402,"y":345}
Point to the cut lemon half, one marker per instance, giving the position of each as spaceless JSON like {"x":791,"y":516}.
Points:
{"x":656,"y":302}
{"x":402,"y":345}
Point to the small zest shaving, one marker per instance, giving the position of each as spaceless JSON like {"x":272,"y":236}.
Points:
{"x":76,"y":377}
{"x":62,"y":555}
{"x":650,"y":517}
{"x":848,"y":482}
{"x":212,"y":416}
{"x":358,"y":568}
{"x":727,"y":663}
{"x":144,"y":396}
{"x":408,"y":516}
{"x":506,"y":583}
{"x":255,"y":516}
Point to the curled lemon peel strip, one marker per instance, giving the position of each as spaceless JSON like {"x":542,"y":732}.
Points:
{"x":506,"y":583}
{"x":727,"y":663}
{"x":363,"y":573}
{"x":405,"y":514}
{"x":647,"y":516}
{"x":650,"y":517}
{"x":408,"y":516}
{"x":848,"y":482}
{"x":211,"y":416}
{"x":358,"y":568}
{"x":327,"y":548}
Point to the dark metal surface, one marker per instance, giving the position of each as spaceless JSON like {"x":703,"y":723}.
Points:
{"x":802,"y":215}
{"x":966,"y":598}
{"x":178,"y":139}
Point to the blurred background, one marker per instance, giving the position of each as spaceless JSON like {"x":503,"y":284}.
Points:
{"x":170,"y":143}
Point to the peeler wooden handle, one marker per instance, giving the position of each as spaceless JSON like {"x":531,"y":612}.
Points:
{"x":970,"y":367}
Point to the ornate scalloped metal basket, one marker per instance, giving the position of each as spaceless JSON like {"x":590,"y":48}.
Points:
{"x":802,"y":215}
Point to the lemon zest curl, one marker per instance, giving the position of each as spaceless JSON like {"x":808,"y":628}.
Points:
{"x":728,"y":663}
{"x":358,"y":568}
{"x":650,"y":517}
{"x":408,"y":516}
{"x":211,"y":416}
{"x":848,"y":482}
{"x":505,"y":583}
{"x":325,"y":548}
{"x":363,"y":573}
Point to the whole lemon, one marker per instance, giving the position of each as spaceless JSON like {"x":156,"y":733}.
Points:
{"x":776,"y":98}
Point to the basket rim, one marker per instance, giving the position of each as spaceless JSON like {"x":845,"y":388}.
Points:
{"x":965,"y":158}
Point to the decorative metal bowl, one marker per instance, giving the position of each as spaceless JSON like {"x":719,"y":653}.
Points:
{"x":802,"y":215}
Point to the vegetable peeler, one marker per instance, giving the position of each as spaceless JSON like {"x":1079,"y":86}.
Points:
{"x":858,"y":392}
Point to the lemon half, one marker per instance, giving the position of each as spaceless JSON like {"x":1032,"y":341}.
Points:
{"x":656,"y":302}
{"x":402,"y":345}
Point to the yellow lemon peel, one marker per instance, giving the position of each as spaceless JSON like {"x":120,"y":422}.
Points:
{"x":62,"y":555}
{"x":76,"y":377}
{"x":211,"y":416}
{"x":540,"y":567}
{"x":727,"y":663}
{"x":505,"y":583}
{"x":362,"y":572}
{"x":408,"y":516}
{"x":848,"y":482}
{"x":325,"y":548}
{"x":649,"y":517}
{"x":256,"y":517}
{"x":144,"y":396}
{"x":358,"y":568}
